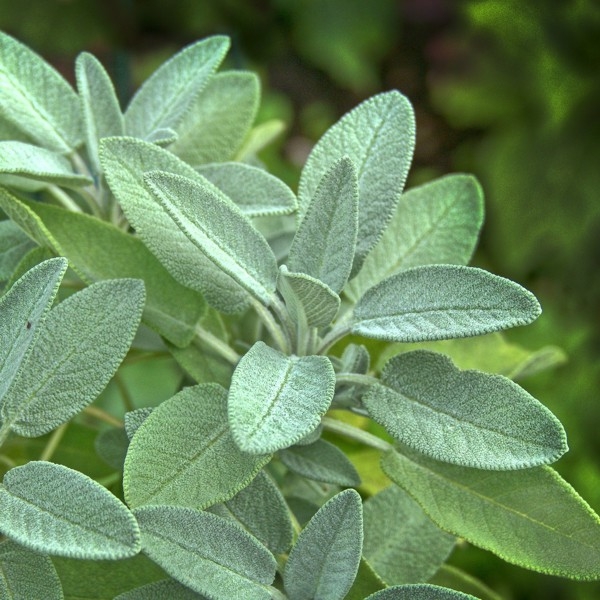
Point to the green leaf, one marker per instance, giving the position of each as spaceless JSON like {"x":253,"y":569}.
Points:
{"x":325,"y":558}
{"x":417,"y":591}
{"x":467,"y":418}
{"x":275,"y":400}
{"x":261,"y":510}
{"x":160,"y":590}
{"x":451,"y":577}
{"x":134,"y":419}
{"x":26,"y":574}
{"x":125,"y":161}
{"x":320,"y":461}
{"x":442,"y":301}
{"x":258,"y":138}
{"x":219,"y":230}
{"x":163,"y":100}
{"x":99,"y":251}
{"x":309,"y":301}
{"x":52,"y":509}
{"x":366,"y":582}
{"x":100,"y":108}
{"x":324,"y":244}
{"x":111,"y":445}
{"x":36,"y":99}
{"x":255,"y":192}
{"x":219,"y":119}
{"x":79,"y":347}
{"x":162,"y":137}
{"x":531,"y":518}
{"x":435,"y":223}
{"x":14,"y":245}
{"x":208,"y":554}
{"x":184,"y":454}
{"x":402,"y":544}
{"x":379,"y":137}
{"x":24,"y":308}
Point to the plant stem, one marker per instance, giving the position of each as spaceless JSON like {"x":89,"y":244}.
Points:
{"x":337,"y":333}
{"x":125,"y":395}
{"x":355,"y":379}
{"x":53,"y":442}
{"x":359,"y":435}
{"x":4,"y":432}
{"x":5,"y":460}
{"x":222,"y":348}
{"x":64,"y":198}
{"x":277,"y":333}
{"x":102,"y":415}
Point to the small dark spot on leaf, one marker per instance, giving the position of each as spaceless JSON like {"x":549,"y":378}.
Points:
{"x":28,"y":324}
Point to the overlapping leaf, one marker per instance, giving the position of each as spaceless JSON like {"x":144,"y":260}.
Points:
{"x":14,"y":244}
{"x":419,"y":592}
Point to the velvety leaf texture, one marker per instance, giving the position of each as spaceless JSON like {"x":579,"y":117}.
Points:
{"x":419,"y":592}
{"x":467,"y":418}
{"x":53,"y":509}
{"x":208,"y":554}
{"x":134,"y":419}
{"x":14,"y":244}
{"x":161,"y":590}
{"x":531,"y":517}
{"x":442,"y":301}
{"x":325,"y":558}
{"x":184,"y":454}
{"x":379,"y":137}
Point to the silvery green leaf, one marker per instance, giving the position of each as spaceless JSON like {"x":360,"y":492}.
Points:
{"x":35,"y":98}
{"x":440,"y":302}
{"x":14,"y":244}
{"x":162,"y":137}
{"x":206,"y":553}
{"x":134,"y":418}
{"x":161,"y":590}
{"x":219,"y":119}
{"x":24,"y":308}
{"x":320,"y":461}
{"x":219,"y":230}
{"x":124,"y":161}
{"x":279,"y":231}
{"x":402,"y":544}
{"x":33,"y":162}
{"x":275,"y":400}
{"x":100,"y":108}
{"x":355,"y":359}
{"x":25,"y":574}
{"x":435,"y":223}
{"x":261,"y":510}
{"x":79,"y":346}
{"x":309,"y":301}
{"x":258,"y":138}
{"x":52,"y":509}
{"x":184,"y":454}
{"x":379,"y":137}
{"x":163,"y":99}
{"x":325,"y":558}
{"x":467,"y":418}
{"x":255,"y":192}
{"x":111,"y":446}
{"x":325,"y":242}
{"x":419,"y":591}
{"x":530,"y":517}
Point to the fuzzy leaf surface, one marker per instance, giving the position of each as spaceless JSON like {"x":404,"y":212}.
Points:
{"x":532,"y":517}
{"x":208,"y":554}
{"x":55,"y":510}
{"x":325,"y":242}
{"x":183,"y":453}
{"x":325,"y":558}
{"x":164,"y":98}
{"x":468,"y":418}
{"x":440,"y":302}
{"x":417,"y":591}
{"x":434,"y":223}
{"x":379,"y":137}
{"x":275,"y":400}
{"x":79,"y":347}
{"x":160,"y":590}
{"x":35,"y":98}
{"x":14,"y":244}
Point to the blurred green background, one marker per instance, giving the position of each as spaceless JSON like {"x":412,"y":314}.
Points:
{"x":506,"y":89}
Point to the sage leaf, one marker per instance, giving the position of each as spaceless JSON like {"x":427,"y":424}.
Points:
{"x":320,"y":461}
{"x":325,"y":558}
{"x":442,"y":301}
{"x":111,"y":446}
{"x":310,"y":302}
{"x":184,"y":454}
{"x":33,"y":162}
{"x":379,"y":138}
{"x":219,"y":230}
{"x":160,"y":590}
{"x":79,"y":347}
{"x":531,"y":518}
{"x":258,"y":138}
{"x":208,"y":554}
{"x":14,"y":245}
{"x":219,"y":119}
{"x":366,"y":582}
{"x":434,"y":223}
{"x":134,"y":418}
{"x":52,"y":509}
{"x":255,"y":192}
{"x":162,"y":137}
{"x":450,"y":576}
{"x":165,"y":97}
{"x":402,"y":544}
{"x":100,"y":108}
{"x":124,"y":161}
{"x":35,"y":99}
{"x":419,"y":591}
{"x":26,"y":574}
{"x":275,"y":400}
{"x":324,"y":244}
{"x":467,"y":418}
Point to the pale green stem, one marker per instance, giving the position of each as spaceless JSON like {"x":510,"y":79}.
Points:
{"x":355,"y":379}
{"x":125,"y":395}
{"x":5,"y":460}
{"x":4,"y":432}
{"x":53,"y":442}
{"x":110,"y":479}
{"x":64,"y":198}
{"x":354,"y":433}
{"x":277,"y":333}
{"x":337,"y":333}
{"x":222,"y":348}
{"x":102,"y":415}
{"x":283,"y":315}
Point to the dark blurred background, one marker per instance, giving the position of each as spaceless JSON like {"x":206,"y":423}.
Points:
{"x":506,"y":89}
